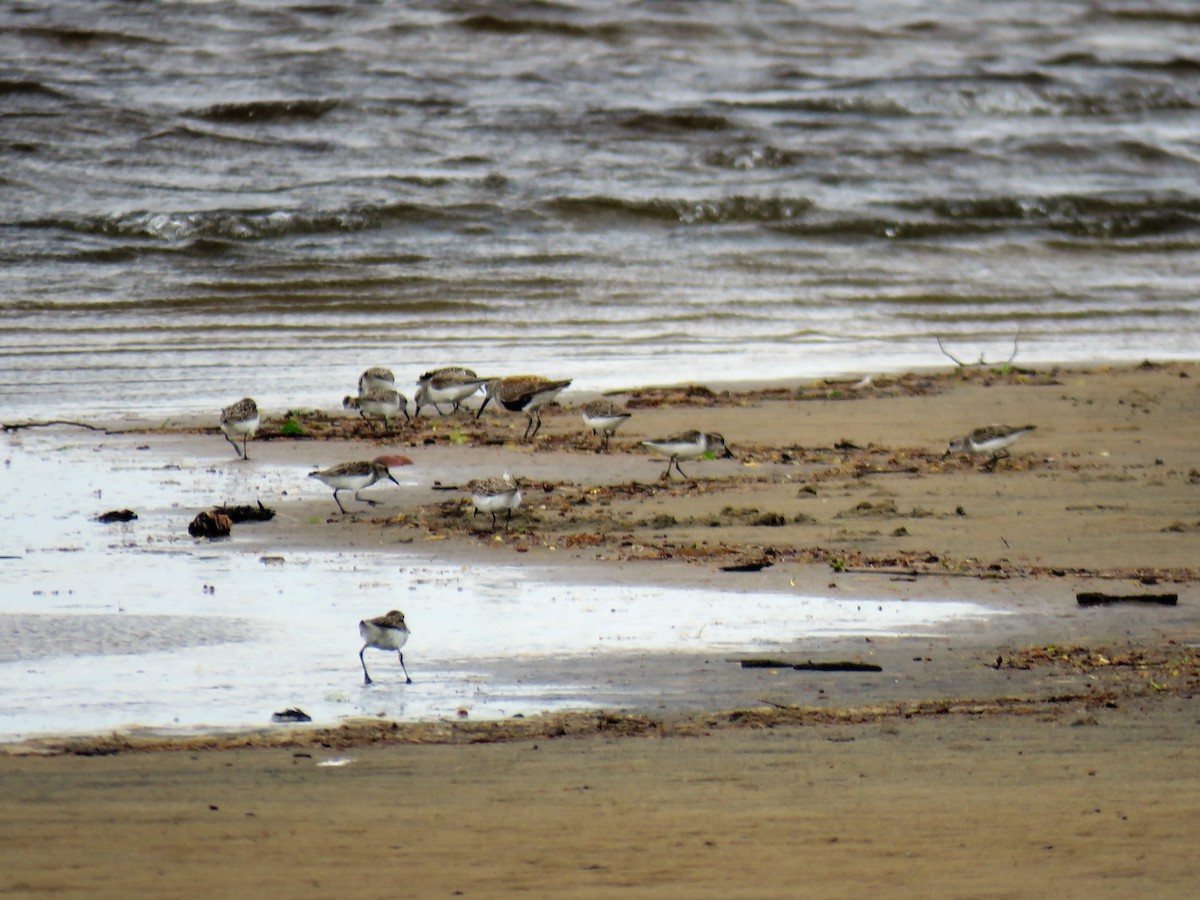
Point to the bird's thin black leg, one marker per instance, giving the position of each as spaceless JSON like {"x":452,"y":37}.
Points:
{"x":366,"y":677}
{"x":407,"y":680}
{"x":338,"y":501}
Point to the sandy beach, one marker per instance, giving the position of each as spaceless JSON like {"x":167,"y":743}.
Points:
{"x":1052,"y":751}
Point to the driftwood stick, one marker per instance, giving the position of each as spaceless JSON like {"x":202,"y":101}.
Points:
{"x":810,"y":666}
{"x":1096,"y":598}
{"x":860,"y":570}
{"x":764,"y":700}
{"x":982,"y":362}
{"x":958,"y":362}
{"x":17,"y":426}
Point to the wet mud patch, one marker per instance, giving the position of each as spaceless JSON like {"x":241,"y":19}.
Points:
{"x":26,"y":636}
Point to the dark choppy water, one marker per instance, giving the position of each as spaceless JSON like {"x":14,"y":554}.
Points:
{"x":203,"y":200}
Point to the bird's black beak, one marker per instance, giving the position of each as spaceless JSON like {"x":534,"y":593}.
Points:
{"x":392,"y":478}
{"x":482,"y":407}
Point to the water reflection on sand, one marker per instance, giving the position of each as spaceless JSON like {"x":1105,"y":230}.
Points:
{"x":126,"y":625}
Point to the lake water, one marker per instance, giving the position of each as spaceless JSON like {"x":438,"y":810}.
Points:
{"x":201,"y":201}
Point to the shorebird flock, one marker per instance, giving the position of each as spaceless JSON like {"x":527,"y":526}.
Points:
{"x":378,"y":399}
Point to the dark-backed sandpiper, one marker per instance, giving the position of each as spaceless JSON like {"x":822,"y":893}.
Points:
{"x":386,"y":632}
{"x":240,"y":420}
{"x":354,"y":476}
{"x":493,"y":495}
{"x":993,"y":439}
{"x":523,"y":393}
{"x":604,"y":417}
{"x":689,"y":445}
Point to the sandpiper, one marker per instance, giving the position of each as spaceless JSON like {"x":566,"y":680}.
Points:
{"x":240,"y":420}
{"x":445,"y":370}
{"x":354,"y":476}
{"x":689,"y":445}
{"x":376,"y":378}
{"x":495,"y":494}
{"x":379,"y":403}
{"x":386,"y":632}
{"x":523,"y":393}
{"x":452,"y":384}
{"x":604,"y":417}
{"x":993,"y":439}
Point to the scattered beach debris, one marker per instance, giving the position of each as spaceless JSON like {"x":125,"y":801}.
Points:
{"x":210,"y":525}
{"x":117,"y":515}
{"x":1096,"y":598}
{"x":291,"y":714}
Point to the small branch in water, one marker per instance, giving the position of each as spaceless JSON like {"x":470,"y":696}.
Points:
{"x":982,"y":362}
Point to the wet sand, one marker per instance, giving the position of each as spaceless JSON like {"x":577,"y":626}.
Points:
{"x":1053,"y":750}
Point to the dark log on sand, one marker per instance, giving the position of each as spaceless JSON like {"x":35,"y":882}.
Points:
{"x":1095,"y":598}
{"x":117,"y":515}
{"x":245,"y":513}
{"x":748,"y":566}
{"x":810,"y":666}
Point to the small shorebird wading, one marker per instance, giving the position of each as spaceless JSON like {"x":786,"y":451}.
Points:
{"x":382,"y":404}
{"x":451,"y":384}
{"x":689,"y":445}
{"x":386,"y":632}
{"x":993,"y":439}
{"x":240,"y":420}
{"x":495,"y":494}
{"x":523,"y":393}
{"x":604,"y":417}
{"x":376,"y":378}
{"x":354,"y":476}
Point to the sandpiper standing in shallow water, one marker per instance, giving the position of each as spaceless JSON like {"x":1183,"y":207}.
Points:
{"x":495,"y":494}
{"x":689,"y":445}
{"x":354,"y":476}
{"x":993,"y":439}
{"x":240,"y":420}
{"x":382,"y":404}
{"x":376,"y":378}
{"x":604,"y":417}
{"x":451,"y":384}
{"x":523,"y":393}
{"x":386,"y":632}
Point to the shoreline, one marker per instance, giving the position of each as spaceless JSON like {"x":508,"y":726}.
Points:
{"x":868,"y":516}
{"x":1051,"y":748}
